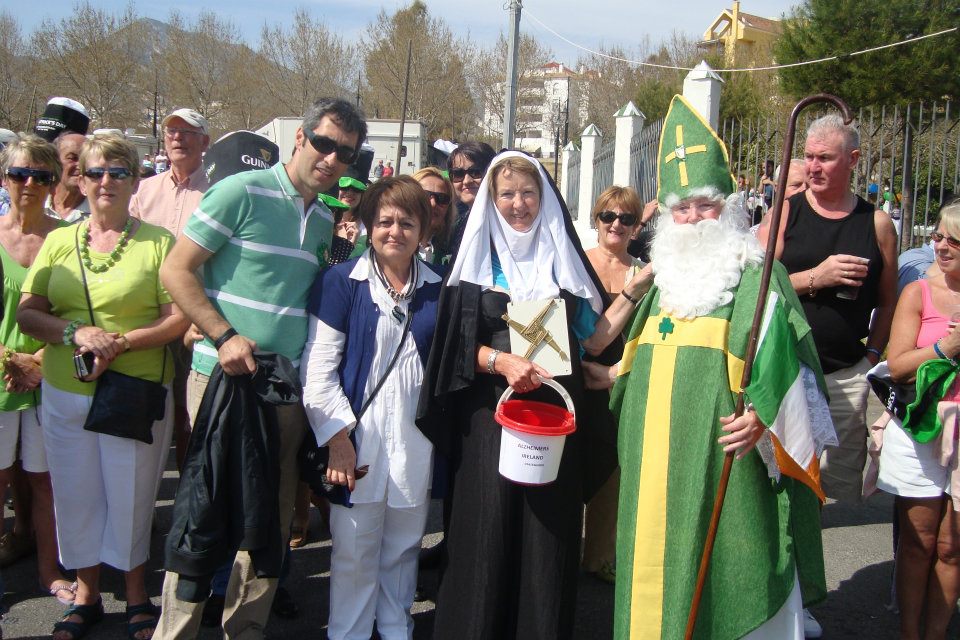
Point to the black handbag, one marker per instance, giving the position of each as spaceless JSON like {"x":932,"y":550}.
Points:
{"x":123,"y":406}
{"x":313,"y":458}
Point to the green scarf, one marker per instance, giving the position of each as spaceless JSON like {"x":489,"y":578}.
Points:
{"x":934,"y":379}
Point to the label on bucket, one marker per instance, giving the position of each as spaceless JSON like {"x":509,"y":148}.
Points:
{"x":529,"y":459}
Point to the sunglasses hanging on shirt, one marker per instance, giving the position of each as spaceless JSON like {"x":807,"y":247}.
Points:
{"x":397,"y":296}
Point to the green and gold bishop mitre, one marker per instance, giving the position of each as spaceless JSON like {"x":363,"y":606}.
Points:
{"x":691,"y":156}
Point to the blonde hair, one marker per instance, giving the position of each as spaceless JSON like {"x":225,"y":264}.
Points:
{"x":626,"y":198}
{"x":113,"y":148}
{"x":950,"y":218}
{"x":433,"y":172}
{"x":34,"y":149}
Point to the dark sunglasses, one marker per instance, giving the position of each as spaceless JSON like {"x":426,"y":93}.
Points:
{"x":939,"y":237}
{"x":115,"y":173}
{"x":441,"y":198}
{"x":626,"y":219}
{"x":20,"y":175}
{"x":350,"y":189}
{"x":475,"y":172}
{"x":326,"y":146}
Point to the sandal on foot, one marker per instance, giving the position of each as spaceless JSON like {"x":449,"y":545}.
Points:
{"x":145,"y":609}
{"x":89,"y":614}
{"x":65,"y":586}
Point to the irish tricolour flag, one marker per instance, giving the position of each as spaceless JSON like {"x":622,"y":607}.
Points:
{"x":790,"y":401}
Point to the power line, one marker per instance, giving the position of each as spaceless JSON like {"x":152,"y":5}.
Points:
{"x":527,"y":14}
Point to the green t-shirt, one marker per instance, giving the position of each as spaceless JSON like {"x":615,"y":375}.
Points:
{"x":125,"y":297}
{"x":266,"y":254}
{"x":10,"y":335}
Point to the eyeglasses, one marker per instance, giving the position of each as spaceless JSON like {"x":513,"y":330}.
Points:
{"x":939,"y":237}
{"x":171,"y":132}
{"x":475,"y":172}
{"x":626,"y":219}
{"x":350,"y":189}
{"x":20,"y":175}
{"x":326,"y":146}
{"x":440,"y":197}
{"x":115,"y":173}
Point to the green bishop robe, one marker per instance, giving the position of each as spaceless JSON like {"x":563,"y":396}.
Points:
{"x":677,"y":379}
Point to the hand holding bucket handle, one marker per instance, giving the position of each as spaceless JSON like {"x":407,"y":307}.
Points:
{"x":553,"y":384}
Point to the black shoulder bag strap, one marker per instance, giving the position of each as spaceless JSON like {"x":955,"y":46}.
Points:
{"x":86,"y":292}
{"x":393,"y":361}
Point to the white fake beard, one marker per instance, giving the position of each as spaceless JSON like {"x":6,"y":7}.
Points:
{"x":697,"y":266}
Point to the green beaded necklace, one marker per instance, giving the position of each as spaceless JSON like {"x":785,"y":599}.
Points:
{"x":114,"y":256}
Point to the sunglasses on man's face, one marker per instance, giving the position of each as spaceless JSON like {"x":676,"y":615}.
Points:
{"x":20,"y":175}
{"x":325,"y":146}
{"x":115,"y":173}
{"x":440,"y":197}
{"x":475,"y":172}
{"x":626,"y":219}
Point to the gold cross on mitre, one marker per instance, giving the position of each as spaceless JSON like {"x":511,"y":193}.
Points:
{"x":680,"y":153}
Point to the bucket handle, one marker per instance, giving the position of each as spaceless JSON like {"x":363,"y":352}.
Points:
{"x":553,"y":384}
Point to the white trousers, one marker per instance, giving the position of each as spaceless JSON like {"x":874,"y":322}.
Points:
{"x":373,"y":569}
{"x":104,"y":487}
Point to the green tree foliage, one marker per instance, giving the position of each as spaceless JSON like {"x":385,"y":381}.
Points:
{"x":925,"y":70}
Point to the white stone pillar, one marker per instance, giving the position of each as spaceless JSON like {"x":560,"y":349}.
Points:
{"x":701,"y":88}
{"x":568,"y":152}
{"x":630,"y":121}
{"x":590,"y":141}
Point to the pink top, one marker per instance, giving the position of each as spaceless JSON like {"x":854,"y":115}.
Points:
{"x":933,"y":326}
{"x":161,"y":201}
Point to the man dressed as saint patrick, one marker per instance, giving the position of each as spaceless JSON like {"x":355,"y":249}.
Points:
{"x":675,"y":392}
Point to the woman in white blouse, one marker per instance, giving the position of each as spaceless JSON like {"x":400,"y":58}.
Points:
{"x":365,"y":314}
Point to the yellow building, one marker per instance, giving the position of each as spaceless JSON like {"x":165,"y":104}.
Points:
{"x":741,"y":37}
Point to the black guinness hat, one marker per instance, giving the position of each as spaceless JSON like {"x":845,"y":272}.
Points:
{"x":239,"y":151}
{"x":62,"y":114}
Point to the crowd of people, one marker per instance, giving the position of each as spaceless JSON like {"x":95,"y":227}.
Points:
{"x":306,"y":313}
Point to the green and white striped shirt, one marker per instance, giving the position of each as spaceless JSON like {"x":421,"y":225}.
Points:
{"x":266,"y":254}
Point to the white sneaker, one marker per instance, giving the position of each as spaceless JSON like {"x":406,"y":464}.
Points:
{"x":811,"y":628}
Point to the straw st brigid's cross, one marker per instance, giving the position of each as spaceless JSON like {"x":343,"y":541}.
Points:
{"x":680,"y":153}
{"x":665,"y":327}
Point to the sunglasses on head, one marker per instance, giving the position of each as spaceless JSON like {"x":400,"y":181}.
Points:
{"x":939,"y":237}
{"x":20,"y":175}
{"x":626,"y":219}
{"x":440,"y":197}
{"x":475,"y":172}
{"x":115,"y":173}
{"x":326,"y":146}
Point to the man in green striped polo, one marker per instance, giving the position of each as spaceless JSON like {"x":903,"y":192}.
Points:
{"x":260,"y":238}
{"x":675,"y":395}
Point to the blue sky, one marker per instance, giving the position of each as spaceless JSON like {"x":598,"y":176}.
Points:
{"x":590,"y":23}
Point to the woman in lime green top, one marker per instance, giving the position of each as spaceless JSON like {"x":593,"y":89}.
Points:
{"x":31,"y":170}
{"x":104,"y":487}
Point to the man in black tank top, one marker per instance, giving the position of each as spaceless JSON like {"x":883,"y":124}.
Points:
{"x":842,"y":259}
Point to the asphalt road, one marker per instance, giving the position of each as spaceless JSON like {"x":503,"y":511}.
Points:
{"x":857,"y":546}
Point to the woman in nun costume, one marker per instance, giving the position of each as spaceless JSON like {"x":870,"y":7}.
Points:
{"x":513,"y":551}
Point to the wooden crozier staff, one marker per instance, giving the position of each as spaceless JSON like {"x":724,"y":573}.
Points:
{"x":752,"y":341}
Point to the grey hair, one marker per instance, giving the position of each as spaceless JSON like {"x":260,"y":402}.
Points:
{"x":34,"y":149}
{"x":344,"y":115}
{"x":833,"y":123}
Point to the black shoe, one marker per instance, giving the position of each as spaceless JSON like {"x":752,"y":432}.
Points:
{"x":430,"y":557}
{"x":284,"y":605}
{"x":212,"y":611}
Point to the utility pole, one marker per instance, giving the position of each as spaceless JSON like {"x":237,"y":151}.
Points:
{"x":513,"y":51}
{"x":566,"y":118}
{"x":358,"y":89}
{"x":403,"y":111}
{"x":556,"y":141}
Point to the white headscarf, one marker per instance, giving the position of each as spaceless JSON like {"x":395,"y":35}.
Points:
{"x":537,"y":263}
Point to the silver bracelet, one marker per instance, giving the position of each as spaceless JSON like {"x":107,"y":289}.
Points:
{"x":491,"y":359}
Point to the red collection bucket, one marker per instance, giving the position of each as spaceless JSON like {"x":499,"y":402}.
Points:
{"x":531,"y":444}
